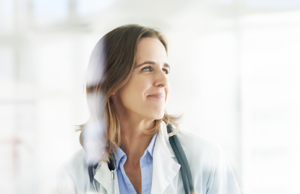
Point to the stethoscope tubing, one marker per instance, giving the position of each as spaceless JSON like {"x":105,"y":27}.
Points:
{"x":182,"y":168}
{"x":182,"y":160}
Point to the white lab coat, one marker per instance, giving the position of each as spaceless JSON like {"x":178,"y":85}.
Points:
{"x":210,"y":169}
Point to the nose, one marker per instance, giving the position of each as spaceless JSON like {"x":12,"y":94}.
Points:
{"x":161,"y":79}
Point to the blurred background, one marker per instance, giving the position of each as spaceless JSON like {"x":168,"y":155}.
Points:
{"x":235,"y":77}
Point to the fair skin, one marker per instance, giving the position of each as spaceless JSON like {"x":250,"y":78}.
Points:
{"x":140,"y":102}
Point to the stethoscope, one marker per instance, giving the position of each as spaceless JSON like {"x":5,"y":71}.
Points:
{"x":179,"y":153}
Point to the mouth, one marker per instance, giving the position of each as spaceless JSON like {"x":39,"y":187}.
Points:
{"x":157,"y":96}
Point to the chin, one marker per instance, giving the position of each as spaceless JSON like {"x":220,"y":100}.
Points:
{"x":155,"y":113}
{"x":160,"y":115}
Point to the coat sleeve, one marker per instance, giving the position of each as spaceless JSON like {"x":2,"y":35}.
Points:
{"x":222,"y":179}
{"x":65,"y":183}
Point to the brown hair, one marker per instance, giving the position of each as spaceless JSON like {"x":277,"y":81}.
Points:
{"x":110,"y":67}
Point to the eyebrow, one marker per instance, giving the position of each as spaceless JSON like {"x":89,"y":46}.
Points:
{"x":152,"y":63}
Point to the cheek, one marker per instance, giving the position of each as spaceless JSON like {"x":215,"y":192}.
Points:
{"x":142,"y":88}
{"x":134,"y":91}
{"x":167,"y":89}
{"x":140,"y":85}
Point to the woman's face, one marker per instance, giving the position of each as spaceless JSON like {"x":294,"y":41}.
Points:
{"x":145,"y":94}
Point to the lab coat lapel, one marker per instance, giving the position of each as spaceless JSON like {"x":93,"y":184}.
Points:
{"x":103,"y":176}
{"x":165,"y":168}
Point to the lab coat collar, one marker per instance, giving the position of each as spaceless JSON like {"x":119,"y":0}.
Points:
{"x":165,"y":167}
{"x":103,"y":176}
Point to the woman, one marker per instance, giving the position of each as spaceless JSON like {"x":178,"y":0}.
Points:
{"x":126,"y":143}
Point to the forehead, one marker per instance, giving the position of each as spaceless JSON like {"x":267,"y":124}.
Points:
{"x":150,"y":49}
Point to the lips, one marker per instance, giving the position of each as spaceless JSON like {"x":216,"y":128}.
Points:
{"x":157,"y":95}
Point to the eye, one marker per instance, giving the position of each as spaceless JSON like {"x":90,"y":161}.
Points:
{"x":149,"y":69}
{"x":166,"y":71}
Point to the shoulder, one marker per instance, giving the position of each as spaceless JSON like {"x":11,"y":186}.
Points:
{"x":209,"y":166}
{"x":202,"y":154}
{"x":73,"y":174}
{"x":198,"y":146}
{"x":208,"y":163}
{"x":75,"y":163}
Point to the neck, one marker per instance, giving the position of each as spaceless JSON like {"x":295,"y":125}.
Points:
{"x":134,"y":141}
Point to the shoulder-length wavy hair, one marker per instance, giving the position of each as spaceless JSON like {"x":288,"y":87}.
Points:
{"x":110,"y":67}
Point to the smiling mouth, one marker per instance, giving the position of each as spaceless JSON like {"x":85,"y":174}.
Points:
{"x":157,"y":96}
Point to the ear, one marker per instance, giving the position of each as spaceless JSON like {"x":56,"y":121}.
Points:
{"x":114,"y":97}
